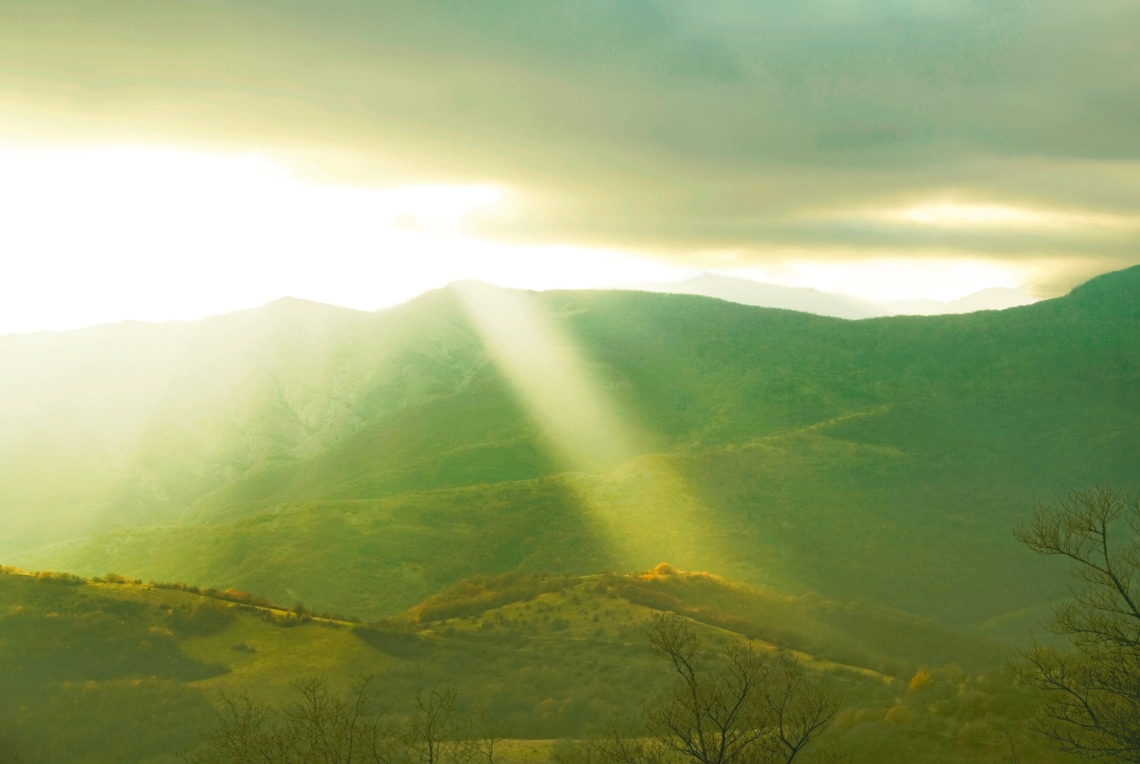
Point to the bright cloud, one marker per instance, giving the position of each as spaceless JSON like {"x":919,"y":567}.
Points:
{"x":954,"y":215}
{"x":91,"y":236}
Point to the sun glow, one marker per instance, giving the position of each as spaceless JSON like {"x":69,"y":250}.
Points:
{"x":91,"y":236}
{"x":953,"y":215}
{"x":972,"y":215}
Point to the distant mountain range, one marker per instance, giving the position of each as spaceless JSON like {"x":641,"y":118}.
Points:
{"x":747,"y":292}
{"x":361,"y":462}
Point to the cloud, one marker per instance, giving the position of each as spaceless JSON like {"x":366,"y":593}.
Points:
{"x":755,"y":126}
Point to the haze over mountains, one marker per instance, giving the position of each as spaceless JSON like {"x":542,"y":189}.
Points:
{"x":765,"y":295}
{"x":361,"y":462}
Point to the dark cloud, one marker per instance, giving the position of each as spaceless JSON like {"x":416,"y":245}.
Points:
{"x":656,"y":124}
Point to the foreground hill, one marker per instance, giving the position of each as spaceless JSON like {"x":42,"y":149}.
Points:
{"x":360,"y":462}
{"x":119,"y":672}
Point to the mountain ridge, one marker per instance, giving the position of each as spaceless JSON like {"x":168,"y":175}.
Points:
{"x":832,"y":304}
{"x":397,"y":444}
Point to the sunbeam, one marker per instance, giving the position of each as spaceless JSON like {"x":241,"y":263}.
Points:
{"x":550,"y":376}
{"x":642,"y":507}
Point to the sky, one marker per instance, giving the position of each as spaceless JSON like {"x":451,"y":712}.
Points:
{"x":171,"y":159}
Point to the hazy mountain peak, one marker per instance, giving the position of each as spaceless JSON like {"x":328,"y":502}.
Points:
{"x":765,"y":295}
{"x":298,"y":305}
{"x":809,"y":300}
{"x":994,"y":298}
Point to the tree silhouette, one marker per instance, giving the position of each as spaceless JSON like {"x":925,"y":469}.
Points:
{"x":321,"y":726}
{"x":746,"y":710}
{"x":1092,"y":690}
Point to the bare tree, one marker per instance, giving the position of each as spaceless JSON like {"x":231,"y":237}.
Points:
{"x":320,"y":726}
{"x":747,"y":710}
{"x":323,"y":727}
{"x":484,"y":732}
{"x":1092,"y":690}
{"x":245,"y":733}
{"x":435,"y":732}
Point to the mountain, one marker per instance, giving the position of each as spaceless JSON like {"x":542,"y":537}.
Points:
{"x":760,"y":294}
{"x":361,"y":462}
{"x":764,"y":295}
{"x":997,"y":298}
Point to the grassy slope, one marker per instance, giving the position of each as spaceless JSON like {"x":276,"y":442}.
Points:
{"x":549,"y":656}
{"x":385,"y":456}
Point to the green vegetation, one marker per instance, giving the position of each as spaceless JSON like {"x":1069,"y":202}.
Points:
{"x":102,"y":660}
{"x":857,"y":481}
{"x":318,"y":725}
{"x":546,"y":657}
{"x":361,"y":462}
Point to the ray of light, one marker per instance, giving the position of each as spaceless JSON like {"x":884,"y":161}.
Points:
{"x":643,"y":508}
{"x":550,"y":376}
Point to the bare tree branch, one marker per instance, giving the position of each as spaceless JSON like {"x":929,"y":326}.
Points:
{"x":1093,"y":690}
{"x":747,"y":710}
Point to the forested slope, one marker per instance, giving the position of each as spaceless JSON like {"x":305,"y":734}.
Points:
{"x":362,"y":461}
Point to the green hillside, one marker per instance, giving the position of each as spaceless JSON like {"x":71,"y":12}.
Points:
{"x":136,"y":671}
{"x":361,"y":462}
